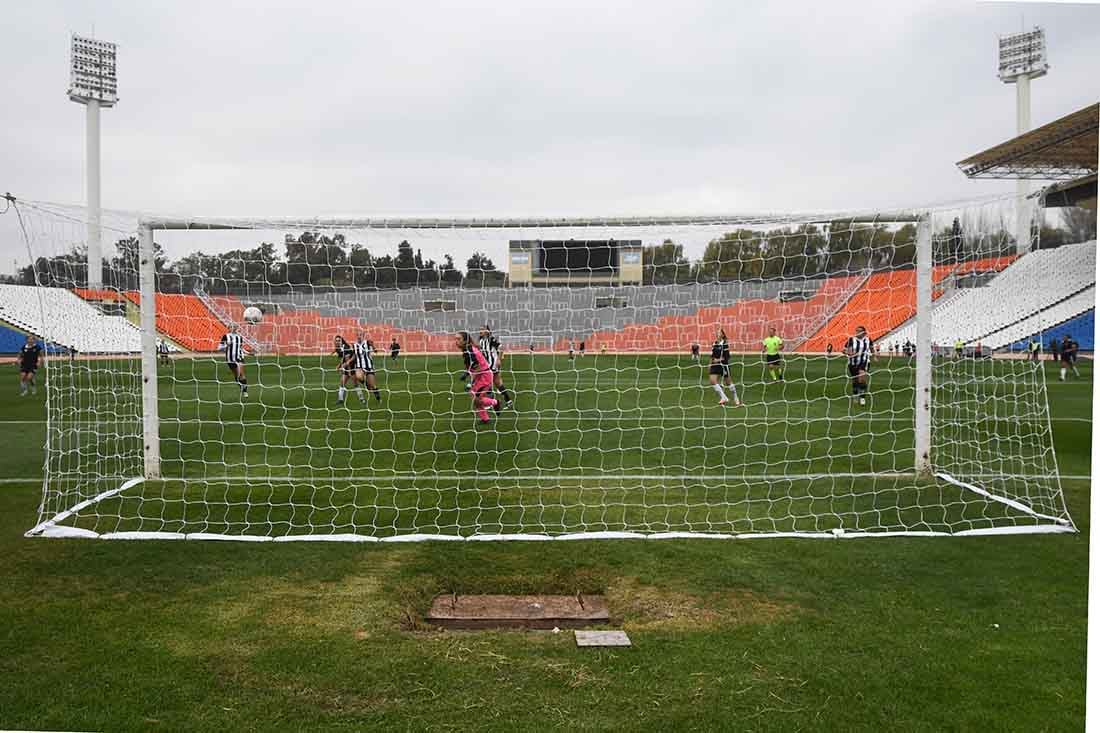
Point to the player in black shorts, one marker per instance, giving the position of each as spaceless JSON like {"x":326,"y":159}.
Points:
{"x":695,"y":353}
{"x":233,"y":345}
{"x":28,"y":365}
{"x":1068,"y":351}
{"x":720,"y":369}
{"x":345,"y":355}
{"x":395,"y":349}
{"x":859,"y":350}
{"x":489,"y":345}
{"x":363,"y":364}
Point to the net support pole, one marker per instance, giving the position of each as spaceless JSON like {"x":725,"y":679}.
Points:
{"x":95,"y":238}
{"x":923,"y":391}
{"x":150,"y":415}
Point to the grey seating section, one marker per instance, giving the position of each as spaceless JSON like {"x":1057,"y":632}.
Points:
{"x":535,"y":315}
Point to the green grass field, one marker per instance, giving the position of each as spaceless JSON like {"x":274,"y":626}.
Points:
{"x":779,"y":634}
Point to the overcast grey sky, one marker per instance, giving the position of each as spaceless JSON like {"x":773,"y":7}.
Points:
{"x":327,"y":108}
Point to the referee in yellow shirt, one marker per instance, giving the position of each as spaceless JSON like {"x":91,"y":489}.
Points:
{"x":773,"y":354}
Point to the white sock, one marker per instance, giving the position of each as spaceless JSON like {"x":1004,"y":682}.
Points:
{"x":733,"y":392}
{"x":340,"y":394}
{"x":718,"y":389}
{"x":1063,"y":373}
{"x":359,"y":391}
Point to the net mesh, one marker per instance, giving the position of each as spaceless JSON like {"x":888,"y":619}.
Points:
{"x":610,"y":422}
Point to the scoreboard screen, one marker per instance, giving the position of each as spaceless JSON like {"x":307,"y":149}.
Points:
{"x":579,"y":255}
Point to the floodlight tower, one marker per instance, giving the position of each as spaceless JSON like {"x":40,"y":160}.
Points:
{"x":1021,"y":58}
{"x":93,"y":82}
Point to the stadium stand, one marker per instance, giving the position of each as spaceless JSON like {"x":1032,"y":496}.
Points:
{"x":73,"y":322}
{"x":99,"y":295}
{"x":887,"y":300}
{"x":185,"y":320}
{"x":810,"y":313}
{"x":11,"y":341}
{"x":661,"y":317}
{"x":1035,"y":282}
{"x":746,"y":322}
{"x":1080,"y":328}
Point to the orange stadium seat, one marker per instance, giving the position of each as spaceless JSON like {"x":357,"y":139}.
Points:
{"x":186,"y":320}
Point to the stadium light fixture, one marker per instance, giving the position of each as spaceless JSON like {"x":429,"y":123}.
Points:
{"x":93,"y":82}
{"x":1022,"y":57}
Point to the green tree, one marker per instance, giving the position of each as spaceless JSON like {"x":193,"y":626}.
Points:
{"x":482,"y":273}
{"x":665,"y":264}
{"x":449,"y":275}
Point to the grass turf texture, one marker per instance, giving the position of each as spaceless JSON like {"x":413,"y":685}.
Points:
{"x":772,"y":635}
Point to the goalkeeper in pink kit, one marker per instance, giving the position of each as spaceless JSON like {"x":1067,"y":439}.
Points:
{"x":481,"y":376}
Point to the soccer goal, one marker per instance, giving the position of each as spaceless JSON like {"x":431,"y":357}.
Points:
{"x":651,"y":377}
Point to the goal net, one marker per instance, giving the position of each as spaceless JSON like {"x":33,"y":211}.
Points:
{"x":640,"y":377}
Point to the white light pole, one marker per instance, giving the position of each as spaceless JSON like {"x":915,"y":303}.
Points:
{"x":93,"y":82}
{"x":1022,"y":57}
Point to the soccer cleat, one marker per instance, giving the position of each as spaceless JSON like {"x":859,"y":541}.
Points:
{"x":862,"y":401}
{"x":722,"y":401}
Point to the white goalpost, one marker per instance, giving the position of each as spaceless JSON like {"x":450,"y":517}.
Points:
{"x":381,"y":440}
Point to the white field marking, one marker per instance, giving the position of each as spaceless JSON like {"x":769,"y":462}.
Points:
{"x":560,"y":477}
{"x":339,"y":414}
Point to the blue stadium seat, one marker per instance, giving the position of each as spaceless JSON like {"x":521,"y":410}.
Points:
{"x":12,"y":340}
{"x":1081,"y":329}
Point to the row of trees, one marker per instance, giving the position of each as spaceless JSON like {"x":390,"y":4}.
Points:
{"x":322,"y":260}
{"x":309,"y":259}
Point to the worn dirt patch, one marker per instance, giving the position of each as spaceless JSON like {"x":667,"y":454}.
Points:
{"x":634,"y":605}
{"x":240,"y":614}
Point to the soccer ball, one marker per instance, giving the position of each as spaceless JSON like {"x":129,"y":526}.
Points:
{"x":252,"y":314}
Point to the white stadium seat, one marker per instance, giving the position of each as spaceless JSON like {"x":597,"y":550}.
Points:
{"x":1039,"y":290}
{"x":71,"y":321}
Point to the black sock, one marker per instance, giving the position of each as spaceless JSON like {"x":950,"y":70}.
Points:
{"x":377,"y":394}
{"x":507,"y":397}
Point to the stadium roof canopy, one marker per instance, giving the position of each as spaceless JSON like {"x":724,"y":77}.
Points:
{"x":1081,"y":192}
{"x":1061,"y":150}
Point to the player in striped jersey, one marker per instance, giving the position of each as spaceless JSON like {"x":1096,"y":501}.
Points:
{"x":364,"y":366}
{"x":232,"y":344}
{"x":490,"y":348}
{"x":859,"y":350}
{"x":481,"y":377}
{"x":720,"y":368}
